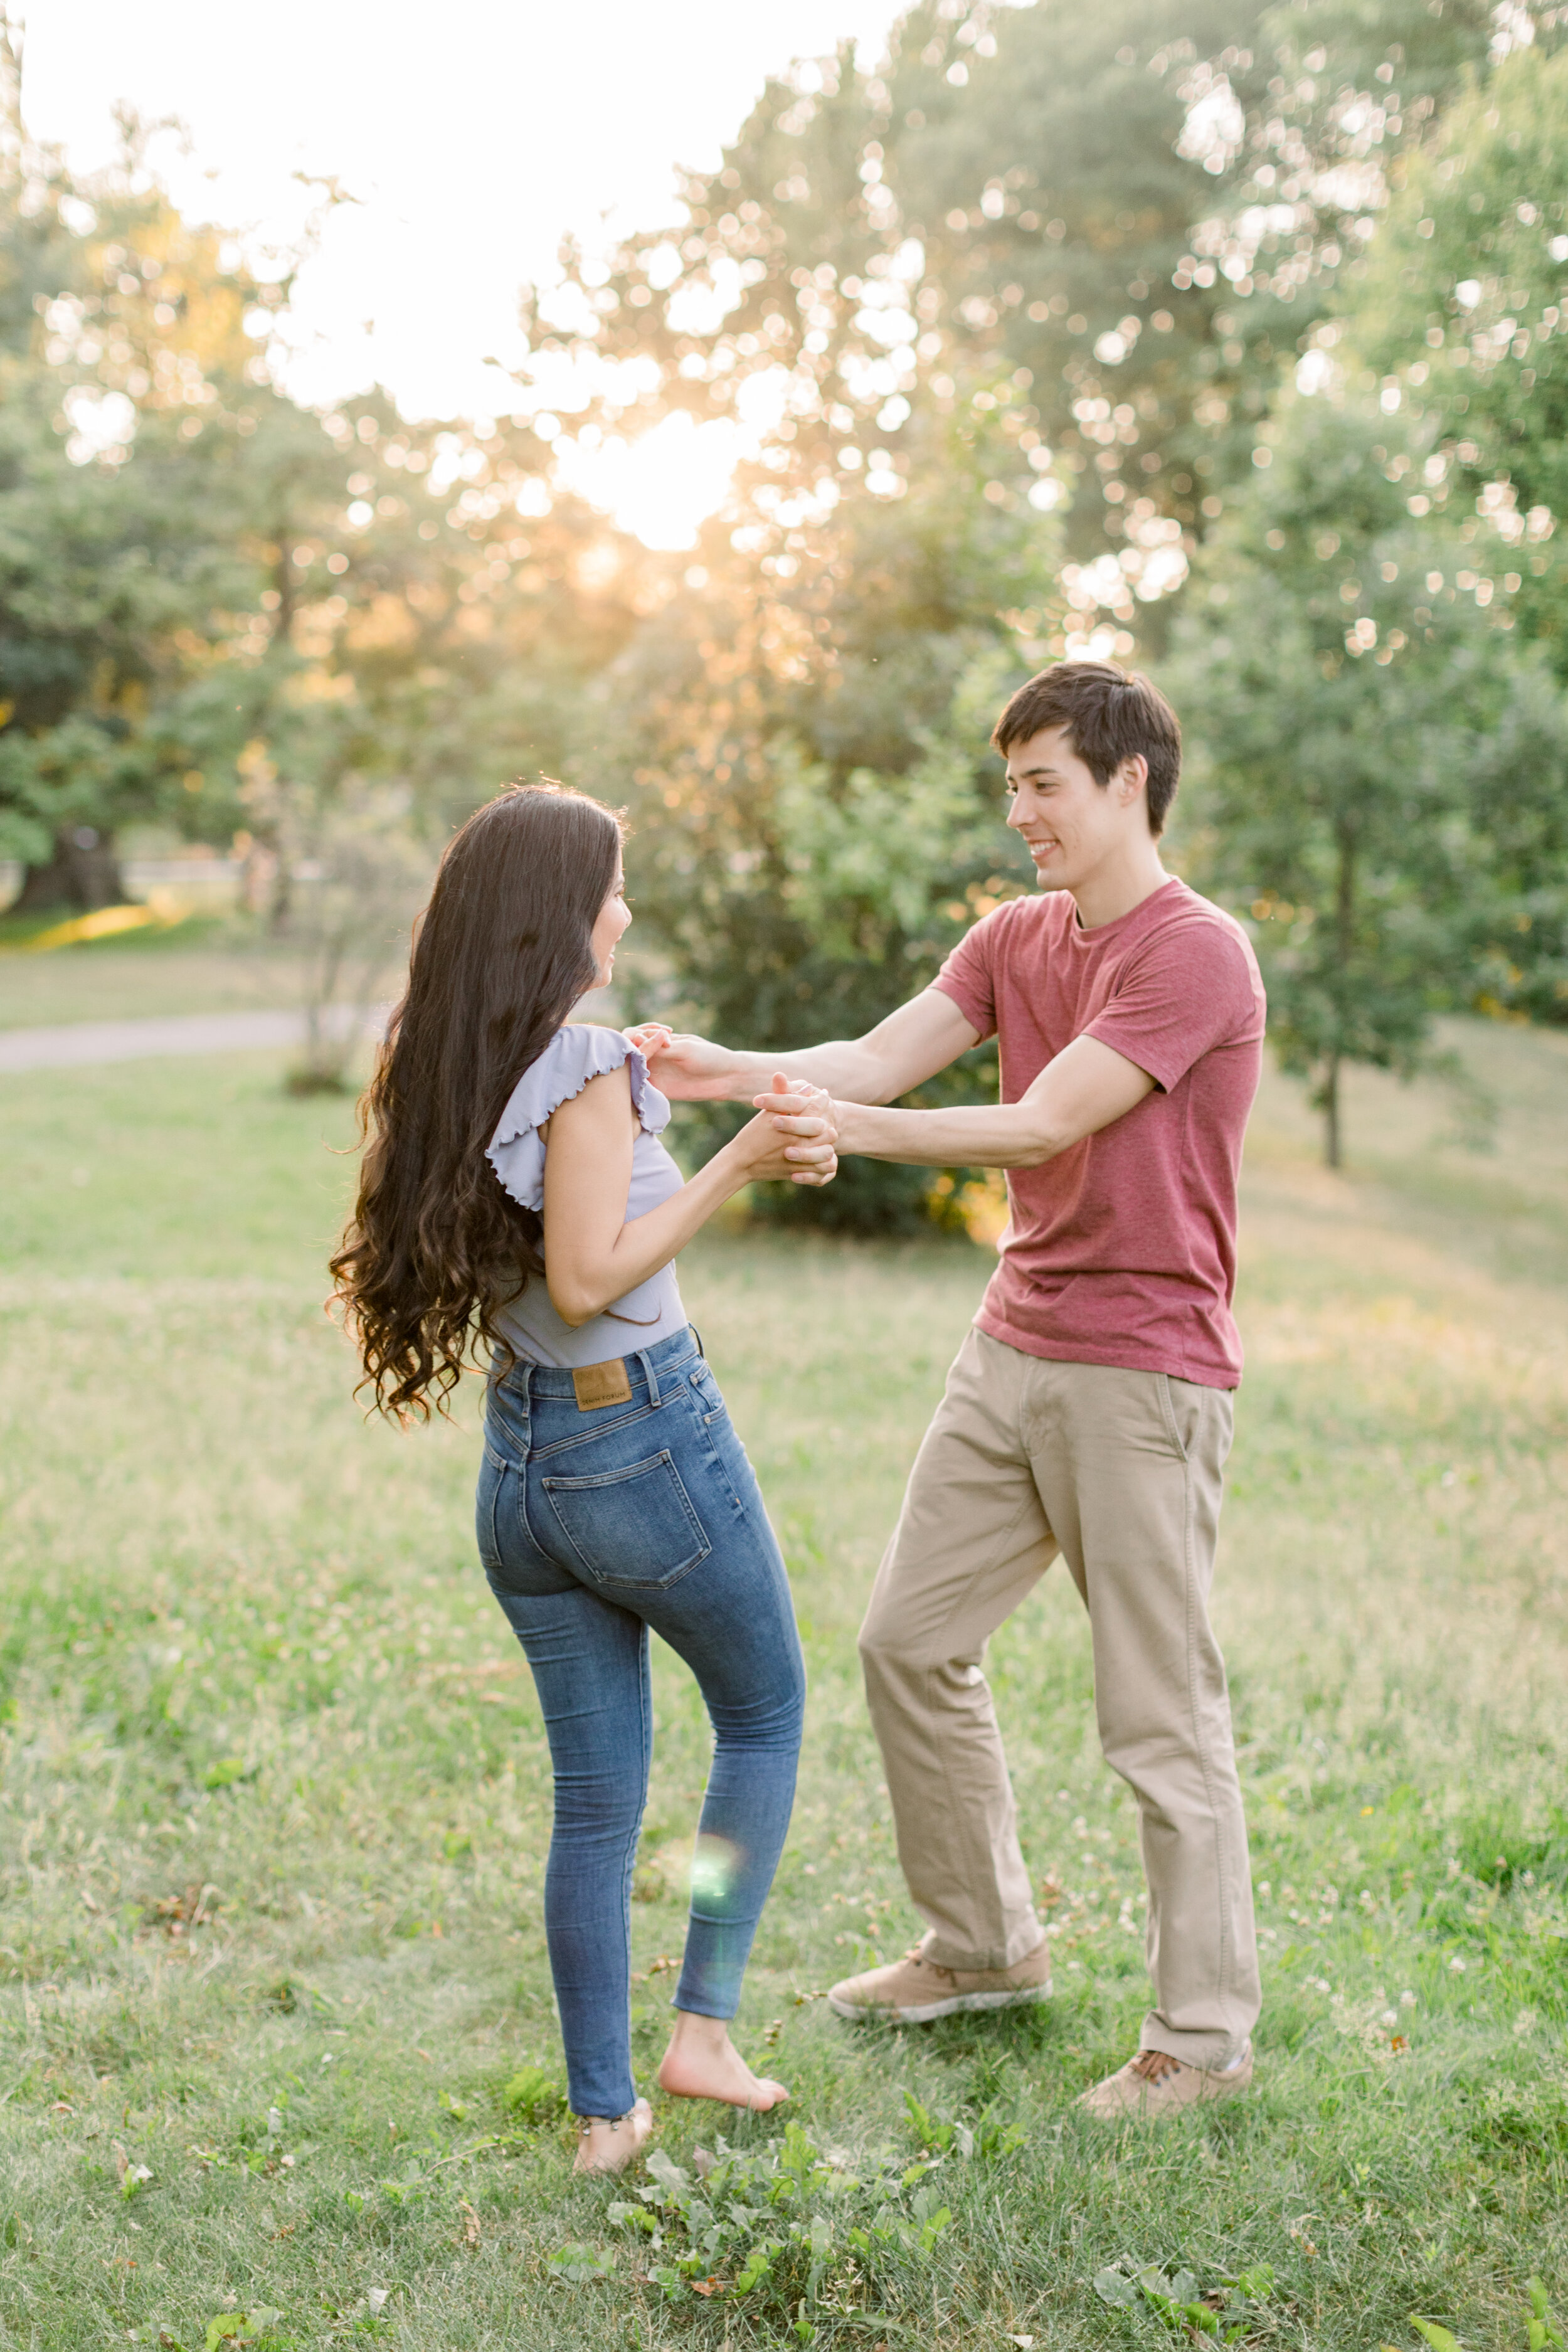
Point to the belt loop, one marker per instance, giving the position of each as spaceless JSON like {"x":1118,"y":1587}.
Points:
{"x":645,"y":1359}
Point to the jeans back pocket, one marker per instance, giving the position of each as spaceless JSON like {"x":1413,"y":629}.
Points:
{"x":634,"y":1527}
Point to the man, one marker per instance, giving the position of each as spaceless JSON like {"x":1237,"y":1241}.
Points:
{"x":1089,"y":1411}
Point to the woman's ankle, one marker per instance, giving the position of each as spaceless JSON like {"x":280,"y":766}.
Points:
{"x":694,"y":2030}
{"x":610,"y":2143}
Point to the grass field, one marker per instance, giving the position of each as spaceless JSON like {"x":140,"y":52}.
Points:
{"x":210,"y":963}
{"x":274,"y":1797}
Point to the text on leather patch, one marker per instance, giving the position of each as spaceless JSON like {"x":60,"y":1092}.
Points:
{"x":598,"y":1384}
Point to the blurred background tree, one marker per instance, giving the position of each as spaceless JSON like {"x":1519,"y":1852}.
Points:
{"x":1348,"y":675}
{"x":1064,"y":330}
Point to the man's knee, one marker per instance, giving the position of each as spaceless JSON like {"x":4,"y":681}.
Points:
{"x":885,"y":1649}
{"x":888,"y":1666}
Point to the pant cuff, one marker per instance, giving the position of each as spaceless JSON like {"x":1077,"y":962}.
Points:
{"x":702,"y":2004}
{"x":603,"y":2099}
{"x":1210,"y":2051}
{"x":1021,"y":1941}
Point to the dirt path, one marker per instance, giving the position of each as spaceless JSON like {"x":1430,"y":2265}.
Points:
{"x":76,"y":1041}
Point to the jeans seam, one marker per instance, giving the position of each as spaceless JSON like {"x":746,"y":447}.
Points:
{"x":604,"y":1429}
{"x":522,"y":1509}
{"x":634,"y":1841}
{"x":490,"y":1512}
{"x":709,"y":1451}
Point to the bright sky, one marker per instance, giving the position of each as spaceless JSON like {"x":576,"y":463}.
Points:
{"x":473,"y":133}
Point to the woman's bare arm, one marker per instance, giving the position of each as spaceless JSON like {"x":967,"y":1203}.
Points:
{"x":592,"y":1254}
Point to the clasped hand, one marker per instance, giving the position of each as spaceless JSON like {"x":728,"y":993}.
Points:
{"x":794,"y":1132}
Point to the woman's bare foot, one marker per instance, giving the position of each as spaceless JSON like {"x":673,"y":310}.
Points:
{"x":604,"y":2146}
{"x":702,"y":2062}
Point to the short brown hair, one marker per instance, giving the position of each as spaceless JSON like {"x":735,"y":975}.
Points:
{"x":1110,"y":714}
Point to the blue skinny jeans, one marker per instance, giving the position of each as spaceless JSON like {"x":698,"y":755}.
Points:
{"x":596,"y":1527}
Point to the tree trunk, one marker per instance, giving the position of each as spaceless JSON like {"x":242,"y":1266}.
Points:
{"x":1329,"y":1103}
{"x":82,"y":874}
{"x":1345,"y":943}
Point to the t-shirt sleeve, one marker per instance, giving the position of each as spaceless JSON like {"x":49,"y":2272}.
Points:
{"x":969,"y":975}
{"x":1193,"y":987}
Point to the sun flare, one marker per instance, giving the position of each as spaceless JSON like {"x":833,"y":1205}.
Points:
{"x":662,"y":487}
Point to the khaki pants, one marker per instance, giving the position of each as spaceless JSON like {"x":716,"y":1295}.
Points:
{"x":1121,"y":1473}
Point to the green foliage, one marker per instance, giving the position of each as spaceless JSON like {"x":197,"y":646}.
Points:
{"x":1229,"y":2311}
{"x":576,"y":2265}
{"x":1437,"y":2337}
{"x":1542,"y":2328}
{"x":218,"y":610}
{"x":844,"y":825}
{"x":258,"y":2326}
{"x":534,"y":2096}
{"x":984,"y":2139}
{"x":771,"y":2227}
{"x":1080,"y":203}
{"x":1460,"y":311}
{"x":1028,"y":292}
{"x":1352,"y":679}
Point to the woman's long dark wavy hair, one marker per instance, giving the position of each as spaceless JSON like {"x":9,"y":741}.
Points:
{"x":501,"y":955}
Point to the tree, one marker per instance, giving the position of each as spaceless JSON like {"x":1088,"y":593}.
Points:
{"x":1457,"y":322}
{"x":1463,"y":312}
{"x":1127,"y":214}
{"x":220,"y":609}
{"x":817,"y":813}
{"x":129,"y":397}
{"x":1350,"y":681}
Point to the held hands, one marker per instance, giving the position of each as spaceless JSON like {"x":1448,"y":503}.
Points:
{"x":795,"y":1131}
{"x":793,"y":1134}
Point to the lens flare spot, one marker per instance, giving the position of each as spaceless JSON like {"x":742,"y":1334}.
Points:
{"x":715,"y":1866}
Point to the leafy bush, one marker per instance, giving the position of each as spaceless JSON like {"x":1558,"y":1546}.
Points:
{"x":1227,"y":2312}
{"x":787,"y":2229}
{"x":533,"y":2096}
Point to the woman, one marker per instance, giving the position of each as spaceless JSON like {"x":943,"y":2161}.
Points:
{"x":514,"y":1185}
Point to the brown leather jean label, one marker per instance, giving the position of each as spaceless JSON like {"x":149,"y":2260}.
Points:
{"x":598,"y":1384}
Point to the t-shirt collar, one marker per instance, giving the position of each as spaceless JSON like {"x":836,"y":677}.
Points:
{"x":1082,"y":937}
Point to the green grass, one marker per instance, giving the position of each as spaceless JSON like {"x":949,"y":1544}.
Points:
{"x":275,"y":1797}
{"x":211,"y":964}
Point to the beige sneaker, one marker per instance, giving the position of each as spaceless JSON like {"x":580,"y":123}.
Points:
{"x":915,"y":1989}
{"x":1152,"y":2092}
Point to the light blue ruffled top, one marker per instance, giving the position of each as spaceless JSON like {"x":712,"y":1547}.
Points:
{"x":653,"y":1310}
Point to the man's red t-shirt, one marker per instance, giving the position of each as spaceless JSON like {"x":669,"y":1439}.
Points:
{"x":1121,"y":1250}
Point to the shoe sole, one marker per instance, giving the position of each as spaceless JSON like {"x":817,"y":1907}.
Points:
{"x":873,"y":2012}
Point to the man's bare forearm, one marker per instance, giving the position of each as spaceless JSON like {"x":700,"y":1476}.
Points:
{"x":1000,"y":1135}
{"x":847,"y":1068}
{"x":1085,"y":1088}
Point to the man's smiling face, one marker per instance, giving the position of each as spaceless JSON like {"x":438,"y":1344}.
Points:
{"x":1071,"y":823}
